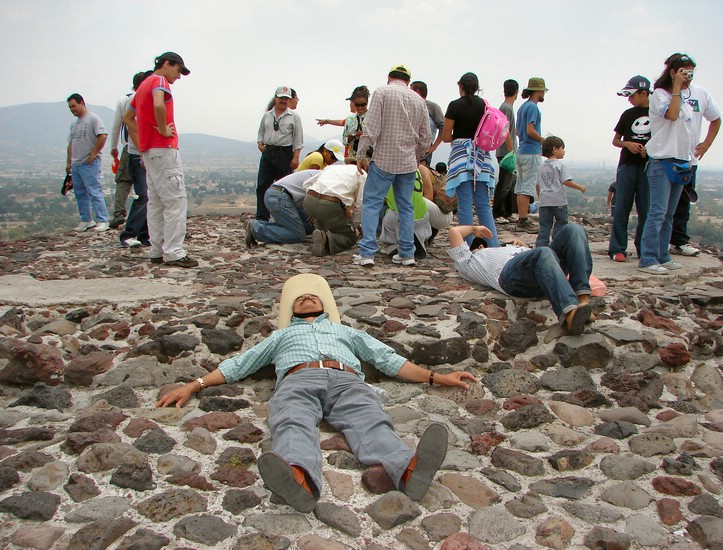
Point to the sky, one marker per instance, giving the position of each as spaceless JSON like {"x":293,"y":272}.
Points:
{"x":239,"y":51}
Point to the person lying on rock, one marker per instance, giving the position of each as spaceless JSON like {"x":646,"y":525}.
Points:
{"x":517,"y":270}
{"x":319,"y":376}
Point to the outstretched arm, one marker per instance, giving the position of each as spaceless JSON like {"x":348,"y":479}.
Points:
{"x":181,"y":395}
{"x":415,"y":373}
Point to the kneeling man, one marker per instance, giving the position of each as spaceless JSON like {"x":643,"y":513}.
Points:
{"x":318,"y":376}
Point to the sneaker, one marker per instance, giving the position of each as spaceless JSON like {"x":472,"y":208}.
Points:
{"x":684,"y":250}
{"x":501,"y":221}
{"x":84,"y":226}
{"x":250,"y":241}
{"x":102,"y":226}
{"x":620,"y":257}
{"x":157,"y":260}
{"x":131,"y":243}
{"x":513,"y":218}
{"x":182,"y":262}
{"x":362,"y":260}
{"x":527,"y":226}
{"x":319,"y":243}
{"x":654,"y":269}
{"x":397,"y":259}
{"x":671,"y":265}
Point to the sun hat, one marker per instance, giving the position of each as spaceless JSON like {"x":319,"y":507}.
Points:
{"x":306,"y":283}
{"x":536,"y":84}
{"x":335,"y":146}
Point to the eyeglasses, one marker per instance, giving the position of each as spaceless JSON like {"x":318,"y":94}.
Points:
{"x":276,"y":125}
{"x":360,"y":104}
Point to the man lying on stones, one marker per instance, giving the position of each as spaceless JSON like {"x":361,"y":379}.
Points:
{"x":319,"y":377}
{"x":519,"y":271}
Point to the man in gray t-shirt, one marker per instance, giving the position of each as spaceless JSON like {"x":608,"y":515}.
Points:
{"x":85,"y":143}
{"x":504,"y":204}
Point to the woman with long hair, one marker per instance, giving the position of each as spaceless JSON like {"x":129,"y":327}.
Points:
{"x":470,"y":169}
{"x":669,"y":147}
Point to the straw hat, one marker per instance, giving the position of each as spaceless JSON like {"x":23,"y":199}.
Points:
{"x":306,"y":283}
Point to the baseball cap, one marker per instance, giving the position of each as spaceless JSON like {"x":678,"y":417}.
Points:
{"x":401,"y":69}
{"x":173,"y":56}
{"x":283,"y":91}
{"x":635,"y":84}
{"x":335,"y":147}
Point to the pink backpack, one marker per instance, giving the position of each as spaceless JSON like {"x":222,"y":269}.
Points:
{"x":492,"y":129}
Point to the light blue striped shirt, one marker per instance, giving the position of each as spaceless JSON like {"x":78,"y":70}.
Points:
{"x":303,"y":342}
{"x":483,"y":266}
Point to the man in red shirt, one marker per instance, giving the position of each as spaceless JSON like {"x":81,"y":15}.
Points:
{"x":151,"y":126}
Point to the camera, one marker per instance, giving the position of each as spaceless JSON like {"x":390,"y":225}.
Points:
{"x":689,"y":74}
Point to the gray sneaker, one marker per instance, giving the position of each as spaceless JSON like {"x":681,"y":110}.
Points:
{"x":528,"y":226}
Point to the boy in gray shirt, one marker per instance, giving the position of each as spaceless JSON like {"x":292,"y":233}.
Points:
{"x":551,"y":182}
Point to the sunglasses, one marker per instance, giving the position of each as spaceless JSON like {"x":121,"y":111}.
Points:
{"x":276,"y":125}
{"x":360,"y":104}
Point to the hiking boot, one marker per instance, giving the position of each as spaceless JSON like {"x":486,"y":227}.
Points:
{"x":84,"y":226}
{"x":407,"y":262}
{"x":182,"y":262}
{"x":250,"y":241}
{"x":319,"y":243}
{"x":527,"y":226}
{"x":362,"y":260}
{"x":684,"y":250}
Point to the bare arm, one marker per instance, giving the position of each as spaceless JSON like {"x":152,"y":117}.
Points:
{"x":181,"y":395}
{"x":703,"y":147}
{"x":508,"y":142}
{"x":415,"y":373}
{"x":633,"y":146}
{"x":427,"y":186}
{"x":571,"y":184}
{"x":130,"y":121}
{"x":458,"y":233}
{"x":673,"y":111}
{"x":70,"y":155}
{"x":325,"y":121}
{"x":533,"y":133}
{"x":447,"y":130}
{"x":159,"y":109}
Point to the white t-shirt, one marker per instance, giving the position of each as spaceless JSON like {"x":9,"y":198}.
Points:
{"x":670,"y":138}
{"x":703,"y":106}
{"x":550,"y":179}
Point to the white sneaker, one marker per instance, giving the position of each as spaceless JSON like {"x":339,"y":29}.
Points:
{"x":501,"y":221}
{"x":671,"y":265}
{"x":684,"y":250}
{"x":362,"y":260}
{"x":84,"y":226}
{"x":131,"y":243}
{"x":102,"y":226}
{"x":654,"y":269}
{"x":397,"y":259}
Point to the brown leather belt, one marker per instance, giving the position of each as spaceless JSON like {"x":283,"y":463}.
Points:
{"x":324,"y":197}
{"x":326,"y":364}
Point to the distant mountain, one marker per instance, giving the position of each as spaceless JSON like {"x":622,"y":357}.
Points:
{"x":36,"y":134}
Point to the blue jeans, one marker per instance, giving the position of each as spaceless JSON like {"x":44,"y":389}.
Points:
{"x":664,"y":198}
{"x":375,"y":191}
{"x":680,"y":236}
{"x":468,"y":193}
{"x":349,"y":405}
{"x":631,"y":185}
{"x":549,"y":216}
{"x":543,"y":271}
{"x":288,"y":224}
{"x":88,"y":191}
{"x":137,"y":222}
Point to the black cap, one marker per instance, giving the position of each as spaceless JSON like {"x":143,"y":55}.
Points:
{"x":173,"y":56}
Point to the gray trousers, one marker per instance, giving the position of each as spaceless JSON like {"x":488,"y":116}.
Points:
{"x":306,"y":397}
{"x":123,"y":184}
